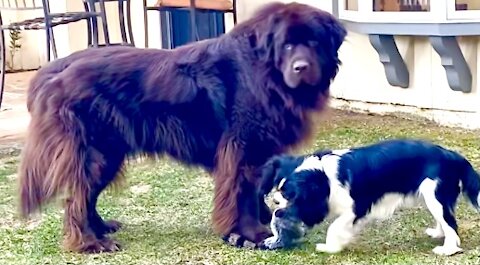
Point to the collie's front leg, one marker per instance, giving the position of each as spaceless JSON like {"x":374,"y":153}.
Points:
{"x":339,"y":234}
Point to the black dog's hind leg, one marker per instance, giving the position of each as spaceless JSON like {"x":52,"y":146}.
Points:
{"x":113,"y":164}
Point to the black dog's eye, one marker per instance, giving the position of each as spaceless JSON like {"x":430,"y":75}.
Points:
{"x":288,"y":47}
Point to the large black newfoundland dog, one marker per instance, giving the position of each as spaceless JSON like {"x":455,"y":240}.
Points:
{"x":225,"y":104}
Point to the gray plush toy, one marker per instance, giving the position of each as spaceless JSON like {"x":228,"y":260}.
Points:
{"x":287,"y":231}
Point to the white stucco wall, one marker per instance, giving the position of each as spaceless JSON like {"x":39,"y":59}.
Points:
{"x":362,"y":83}
{"x":27,"y":57}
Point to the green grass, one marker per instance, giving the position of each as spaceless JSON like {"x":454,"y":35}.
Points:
{"x":166,"y":209}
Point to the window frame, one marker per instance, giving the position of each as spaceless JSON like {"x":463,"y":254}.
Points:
{"x":454,"y":14}
{"x":437,"y":14}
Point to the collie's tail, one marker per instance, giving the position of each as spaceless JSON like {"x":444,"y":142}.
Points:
{"x":471,"y":187}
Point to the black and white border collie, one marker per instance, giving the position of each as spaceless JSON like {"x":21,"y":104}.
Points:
{"x":365,"y":183}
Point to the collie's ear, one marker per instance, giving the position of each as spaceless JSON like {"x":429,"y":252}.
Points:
{"x":312,"y":201}
{"x":321,"y":153}
{"x":277,"y":168}
{"x":269,"y":173}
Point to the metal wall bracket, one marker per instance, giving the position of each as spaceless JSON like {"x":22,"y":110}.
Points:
{"x":442,"y":38}
{"x":395,"y":68}
{"x":458,"y":72}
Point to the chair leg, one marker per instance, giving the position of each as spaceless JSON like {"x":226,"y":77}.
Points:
{"x":168,"y":27}
{"x":47,"y":36}
{"x":54,"y":45}
{"x":2,"y":63}
{"x":129,"y":23}
{"x":94,"y":22}
{"x":89,"y":33}
{"x":89,"y":25}
{"x":234,"y":12}
{"x":145,"y":22}
{"x":121,"y":18}
{"x":103,"y":13}
{"x":193,"y":21}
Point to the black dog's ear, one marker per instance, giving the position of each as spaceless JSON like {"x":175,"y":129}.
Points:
{"x":327,"y":25}
{"x":265,"y":33}
{"x":337,"y":33}
{"x":331,"y":32}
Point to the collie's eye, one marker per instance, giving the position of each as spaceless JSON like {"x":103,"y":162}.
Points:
{"x":313,"y":43}
{"x":288,"y":46}
{"x":289,"y":194}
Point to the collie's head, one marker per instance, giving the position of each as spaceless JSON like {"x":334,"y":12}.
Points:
{"x":301,"y":187}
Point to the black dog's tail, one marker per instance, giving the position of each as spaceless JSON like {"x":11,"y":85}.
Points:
{"x":471,"y":186}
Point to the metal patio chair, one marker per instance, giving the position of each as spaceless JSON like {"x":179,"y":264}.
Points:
{"x":46,"y":22}
{"x":124,"y":13}
{"x":214,"y":6}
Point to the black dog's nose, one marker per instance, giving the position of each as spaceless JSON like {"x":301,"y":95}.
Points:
{"x":300,"y":65}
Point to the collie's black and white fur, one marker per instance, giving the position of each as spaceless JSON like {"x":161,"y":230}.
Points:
{"x":370,"y":182}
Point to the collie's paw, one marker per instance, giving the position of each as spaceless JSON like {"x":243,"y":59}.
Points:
{"x":434,"y":233}
{"x":328,"y":248}
{"x":447,"y":251}
{"x":270,"y":243}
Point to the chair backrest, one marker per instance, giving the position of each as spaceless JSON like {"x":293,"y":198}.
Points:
{"x":20,"y":5}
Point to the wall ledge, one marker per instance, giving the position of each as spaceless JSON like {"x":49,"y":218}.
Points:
{"x":442,"y":37}
{"x":414,"y":29}
{"x":450,"y":118}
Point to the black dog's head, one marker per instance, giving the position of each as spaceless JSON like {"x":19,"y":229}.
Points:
{"x":302,"y":188}
{"x":301,"y":42}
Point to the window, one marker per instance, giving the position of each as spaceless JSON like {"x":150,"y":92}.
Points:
{"x":410,"y":11}
{"x":385,"y":11}
{"x":467,"y":5}
{"x":463,"y":10}
{"x":351,"y":5}
{"x":401,"y":5}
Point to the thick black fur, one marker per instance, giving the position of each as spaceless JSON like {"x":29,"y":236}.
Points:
{"x":226,"y":104}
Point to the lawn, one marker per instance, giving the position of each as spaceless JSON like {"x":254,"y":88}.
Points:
{"x":166,"y":209}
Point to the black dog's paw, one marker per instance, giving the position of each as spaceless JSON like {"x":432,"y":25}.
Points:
{"x":236,"y":240}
